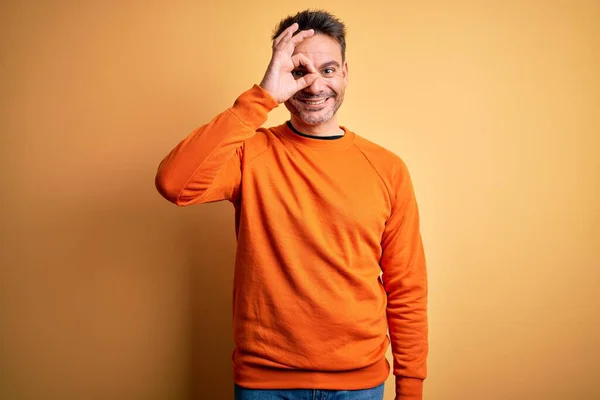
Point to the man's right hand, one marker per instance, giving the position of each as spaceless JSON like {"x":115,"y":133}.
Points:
{"x":278,"y":80}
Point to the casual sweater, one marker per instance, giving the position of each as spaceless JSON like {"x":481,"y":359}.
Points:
{"x":329,"y":251}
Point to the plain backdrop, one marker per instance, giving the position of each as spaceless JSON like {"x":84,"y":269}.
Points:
{"x":107,"y":291}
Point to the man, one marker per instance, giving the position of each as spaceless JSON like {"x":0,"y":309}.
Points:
{"x":320,"y":212}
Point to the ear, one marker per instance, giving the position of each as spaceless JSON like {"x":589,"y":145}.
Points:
{"x":345,"y":73}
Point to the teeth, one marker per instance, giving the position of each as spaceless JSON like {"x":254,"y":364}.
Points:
{"x":315,"y":103}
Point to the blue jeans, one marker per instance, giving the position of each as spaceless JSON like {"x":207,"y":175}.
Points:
{"x":375,"y":393}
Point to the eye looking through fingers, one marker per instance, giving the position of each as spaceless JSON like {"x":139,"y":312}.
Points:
{"x":328,"y":72}
{"x":298,"y":73}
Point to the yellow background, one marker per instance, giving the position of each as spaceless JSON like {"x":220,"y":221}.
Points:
{"x":109,"y":292}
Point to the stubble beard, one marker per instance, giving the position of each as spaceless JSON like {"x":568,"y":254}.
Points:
{"x":315,"y":118}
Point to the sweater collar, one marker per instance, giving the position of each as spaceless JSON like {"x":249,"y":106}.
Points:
{"x":337,"y":142}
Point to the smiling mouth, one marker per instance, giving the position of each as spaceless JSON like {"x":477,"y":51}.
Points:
{"x":314,"y":102}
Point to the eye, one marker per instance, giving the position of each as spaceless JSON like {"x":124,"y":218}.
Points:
{"x":329,"y":71}
{"x":297,"y":73}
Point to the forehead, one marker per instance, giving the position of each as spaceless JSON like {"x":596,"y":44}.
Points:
{"x":319,"y":47}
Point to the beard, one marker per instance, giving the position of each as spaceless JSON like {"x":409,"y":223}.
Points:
{"x":315,"y":115}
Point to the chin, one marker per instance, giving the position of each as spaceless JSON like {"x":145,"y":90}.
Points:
{"x":314,"y":120}
{"x":310,"y":118}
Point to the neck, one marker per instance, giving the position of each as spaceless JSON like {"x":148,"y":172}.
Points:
{"x":329,"y":128}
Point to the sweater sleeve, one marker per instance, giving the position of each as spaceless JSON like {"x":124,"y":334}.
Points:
{"x":405,"y":281}
{"x":206,"y":166}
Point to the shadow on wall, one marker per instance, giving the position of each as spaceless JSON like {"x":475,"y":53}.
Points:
{"x":195,"y":250}
{"x":115,"y":294}
{"x":165,"y":283}
{"x":209,"y":235}
{"x":189,"y":282}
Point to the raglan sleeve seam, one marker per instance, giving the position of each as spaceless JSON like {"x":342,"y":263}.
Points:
{"x":391,"y":198}
{"x":208,"y":158}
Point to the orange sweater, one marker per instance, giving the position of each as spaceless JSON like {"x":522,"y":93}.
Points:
{"x":317,"y":221}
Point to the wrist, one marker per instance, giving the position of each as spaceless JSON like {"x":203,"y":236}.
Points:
{"x":269,"y":91}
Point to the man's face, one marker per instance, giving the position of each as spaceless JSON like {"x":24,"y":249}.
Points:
{"x":319,"y":102}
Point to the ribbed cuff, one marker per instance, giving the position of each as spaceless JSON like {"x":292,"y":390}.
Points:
{"x":409,"y":388}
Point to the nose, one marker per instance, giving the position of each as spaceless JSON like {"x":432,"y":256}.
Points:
{"x":318,"y":86}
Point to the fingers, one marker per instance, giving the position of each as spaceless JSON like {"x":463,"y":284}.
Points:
{"x":300,"y":60}
{"x":306,"y":81}
{"x":287,"y":37}
{"x":300,"y":36}
{"x":289,"y":31}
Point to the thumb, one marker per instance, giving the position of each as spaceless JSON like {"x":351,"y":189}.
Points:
{"x":306,"y":80}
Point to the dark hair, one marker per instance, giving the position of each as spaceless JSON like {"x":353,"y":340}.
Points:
{"x":319,"y":20}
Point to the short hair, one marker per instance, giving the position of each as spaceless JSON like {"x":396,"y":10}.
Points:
{"x":319,"y":20}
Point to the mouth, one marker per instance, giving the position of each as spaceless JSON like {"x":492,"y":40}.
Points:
{"x":314,"y":102}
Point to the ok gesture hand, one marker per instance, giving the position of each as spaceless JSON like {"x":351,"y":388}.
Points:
{"x":278,"y":79}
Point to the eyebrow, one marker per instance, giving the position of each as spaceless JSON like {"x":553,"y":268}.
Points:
{"x":324,"y":65}
{"x":329,"y":64}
